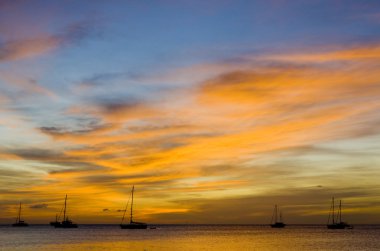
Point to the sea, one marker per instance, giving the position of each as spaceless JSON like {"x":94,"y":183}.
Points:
{"x":189,"y":237}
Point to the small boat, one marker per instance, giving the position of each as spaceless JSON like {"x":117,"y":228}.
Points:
{"x":57,"y":217}
{"x":56,"y":222}
{"x":132,"y":224}
{"x":275,"y":223}
{"x":66,"y":223}
{"x":19,"y":222}
{"x":336,"y":220}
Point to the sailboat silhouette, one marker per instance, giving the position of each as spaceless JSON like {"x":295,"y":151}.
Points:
{"x":276,"y":221}
{"x":19,"y":222}
{"x":66,"y":223}
{"x":336,"y":220}
{"x":132,"y":224}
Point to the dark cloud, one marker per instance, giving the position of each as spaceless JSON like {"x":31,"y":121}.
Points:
{"x":118,"y":106}
{"x":36,"y":154}
{"x":54,"y":163}
{"x":118,"y":109}
{"x":86,"y":129}
{"x":105,"y":210}
{"x":39,"y":206}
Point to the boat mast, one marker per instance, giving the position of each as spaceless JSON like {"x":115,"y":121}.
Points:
{"x":333,"y":216}
{"x":60,"y":214}
{"x":340,"y":210}
{"x":64,"y":210}
{"x":275,"y":209}
{"x":133,"y":188}
{"x":19,"y":213}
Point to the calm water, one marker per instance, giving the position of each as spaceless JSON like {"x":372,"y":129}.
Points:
{"x":189,"y":237}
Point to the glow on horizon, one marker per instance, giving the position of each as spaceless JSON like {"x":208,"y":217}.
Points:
{"x":213,"y":130}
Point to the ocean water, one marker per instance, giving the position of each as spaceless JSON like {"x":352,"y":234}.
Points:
{"x":189,"y":237}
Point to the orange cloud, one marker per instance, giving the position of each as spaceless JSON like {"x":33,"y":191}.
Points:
{"x":234,"y":134}
{"x":24,"y":49}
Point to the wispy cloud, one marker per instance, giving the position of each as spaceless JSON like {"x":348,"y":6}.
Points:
{"x":226,"y":138}
{"x":39,"y":206}
{"x":32,"y":47}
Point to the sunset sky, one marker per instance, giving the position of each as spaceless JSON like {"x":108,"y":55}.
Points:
{"x":214,"y":110}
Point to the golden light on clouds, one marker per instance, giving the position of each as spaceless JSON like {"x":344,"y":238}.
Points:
{"x":250,"y":129}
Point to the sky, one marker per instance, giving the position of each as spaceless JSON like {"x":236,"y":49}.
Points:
{"x":214,"y":110}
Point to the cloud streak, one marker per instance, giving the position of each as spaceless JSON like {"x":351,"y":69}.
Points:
{"x":32,"y":47}
{"x":251,"y":131}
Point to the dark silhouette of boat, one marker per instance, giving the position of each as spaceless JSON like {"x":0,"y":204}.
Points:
{"x":66,"y":223}
{"x":336,"y":220}
{"x":57,"y":217}
{"x":56,"y":222}
{"x":19,"y":222}
{"x":132,"y":224}
{"x":276,"y":221}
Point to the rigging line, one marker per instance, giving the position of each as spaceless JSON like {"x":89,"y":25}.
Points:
{"x":125,"y":210}
{"x":328,"y":220}
{"x":274,"y":211}
{"x":60,"y":213}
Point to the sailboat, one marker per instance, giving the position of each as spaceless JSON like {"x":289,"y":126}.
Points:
{"x":57,"y":218}
{"x":19,"y":222}
{"x":132,"y":224}
{"x":277,"y":223}
{"x":56,"y":222}
{"x":66,"y":223}
{"x":336,"y":220}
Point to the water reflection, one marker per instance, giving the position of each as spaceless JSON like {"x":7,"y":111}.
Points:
{"x":110,"y":237}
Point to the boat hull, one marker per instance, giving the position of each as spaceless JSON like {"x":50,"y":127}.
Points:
{"x":20,"y":224}
{"x":66,"y":224}
{"x":54,"y":223}
{"x":133,"y":226}
{"x":278,"y":225}
{"x":341,"y":225}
